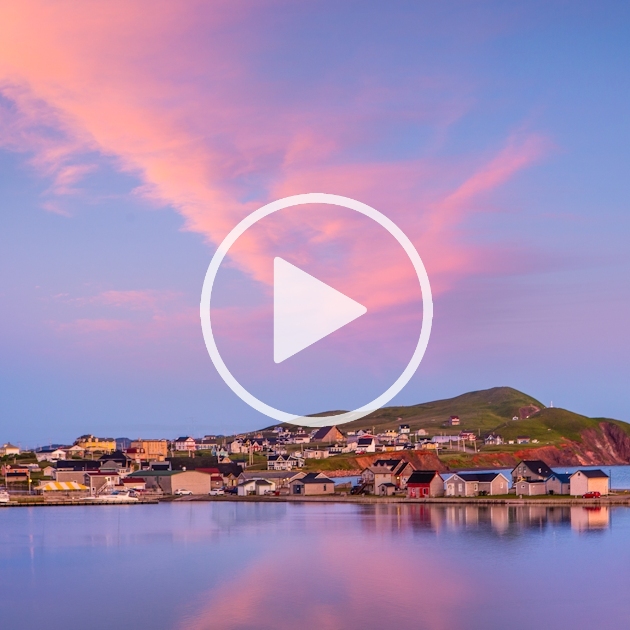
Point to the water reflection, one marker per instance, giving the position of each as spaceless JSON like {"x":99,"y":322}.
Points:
{"x":241,"y":566}
{"x":499,"y":519}
{"x":413,"y":566}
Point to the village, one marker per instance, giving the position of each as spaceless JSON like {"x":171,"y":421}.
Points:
{"x":279,"y":462}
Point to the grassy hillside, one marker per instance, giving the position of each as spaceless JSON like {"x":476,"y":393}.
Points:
{"x":482,"y":410}
{"x":559,"y":435}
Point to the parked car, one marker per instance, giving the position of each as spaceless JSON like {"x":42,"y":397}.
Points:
{"x":231,"y":490}
{"x":592,"y":495}
{"x":217,"y":492}
{"x":181,"y":492}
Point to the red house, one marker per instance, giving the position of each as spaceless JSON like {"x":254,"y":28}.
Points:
{"x":425,"y":483}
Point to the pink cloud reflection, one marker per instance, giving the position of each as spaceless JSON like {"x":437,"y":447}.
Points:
{"x":339,"y":585}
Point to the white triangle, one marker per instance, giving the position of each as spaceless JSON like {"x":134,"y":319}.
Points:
{"x":305,"y":310}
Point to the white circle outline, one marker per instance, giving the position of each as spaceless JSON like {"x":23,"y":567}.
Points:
{"x":297,"y":200}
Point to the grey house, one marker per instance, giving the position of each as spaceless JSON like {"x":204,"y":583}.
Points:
{"x":531,"y":470}
{"x":558,"y":483}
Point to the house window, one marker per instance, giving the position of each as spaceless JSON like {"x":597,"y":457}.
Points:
{"x":324,"y":487}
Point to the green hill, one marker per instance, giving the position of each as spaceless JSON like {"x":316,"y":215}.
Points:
{"x":556,"y":435}
{"x":482,"y":410}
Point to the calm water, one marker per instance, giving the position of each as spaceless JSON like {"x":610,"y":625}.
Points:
{"x":229,"y":566}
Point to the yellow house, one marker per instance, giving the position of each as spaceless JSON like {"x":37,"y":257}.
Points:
{"x":94,"y":444}
{"x":150,"y":450}
{"x":584,"y":481}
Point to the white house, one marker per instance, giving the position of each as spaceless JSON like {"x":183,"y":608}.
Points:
{"x":258,"y":487}
{"x":365,"y":445}
{"x":185,"y":443}
{"x":50,"y":454}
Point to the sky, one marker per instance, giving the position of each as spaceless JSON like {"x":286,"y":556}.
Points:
{"x":135,"y":135}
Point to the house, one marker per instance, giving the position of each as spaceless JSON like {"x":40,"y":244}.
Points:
{"x":531,"y":470}
{"x":395,"y":471}
{"x":168,"y":481}
{"x":281,"y":462}
{"x":454,"y":421}
{"x":337,"y":449}
{"x":311,"y":484}
{"x":94,"y":444}
{"x":15,"y":473}
{"x":160,"y":466}
{"x":74,"y":469}
{"x":558,"y":483}
{"x":258,"y":487}
{"x":74,"y":451}
{"x":116,"y":462}
{"x":49,"y":471}
{"x":9,"y":449}
{"x":50,"y":454}
{"x":386,"y":489}
{"x":316,"y":453}
{"x":530,"y":488}
{"x":216,"y":478}
{"x":366,"y":445}
{"x":421,"y":432}
{"x":101,"y":482}
{"x":206,"y":444}
{"x":149,"y":450}
{"x":401,"y":470}
{"x":301,"y":437}
{"x":328,"y":434}
{"x":522,"y":439}
{"x":475,"y":484}
{"x":425,"y":483}
{"x":374,"y":476}
{"x":185,"y":444}
{"x":584,"y":481}
{"x":404,"y":429}
{"x":493,"y":440}
{"x":281,"y":478}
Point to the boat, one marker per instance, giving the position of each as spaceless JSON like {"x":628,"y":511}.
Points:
{"x":118,"y":496}
{"x":4,"y":496}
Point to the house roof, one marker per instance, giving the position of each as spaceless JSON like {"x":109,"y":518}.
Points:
{"x":161,"y":473}
{"x":532,"y":481}
{"x":537,"y":466}
{"x":481,"y":477}
{"x":77,"y":465}
{"x":314,"y":477}
{"x":390,"y":463}
{"x":365,"y":441}
{"x":422,"y":476}
{"x":591,"y":474}
{"x":183,"y":438}
{"x":561,"y":477}
{"x":322,"y":432}
{"x":388,"y":484}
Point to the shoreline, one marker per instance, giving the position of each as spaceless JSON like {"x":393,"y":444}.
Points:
{"x":621,"y":498}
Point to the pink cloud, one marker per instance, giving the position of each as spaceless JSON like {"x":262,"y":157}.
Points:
{"x":121,"y":80}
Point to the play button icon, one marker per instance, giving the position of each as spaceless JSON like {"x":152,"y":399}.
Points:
{"x":305,"y":310}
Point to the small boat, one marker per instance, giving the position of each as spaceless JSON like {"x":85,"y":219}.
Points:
{"x":4,"y":496}
{"x":118,"y":496}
